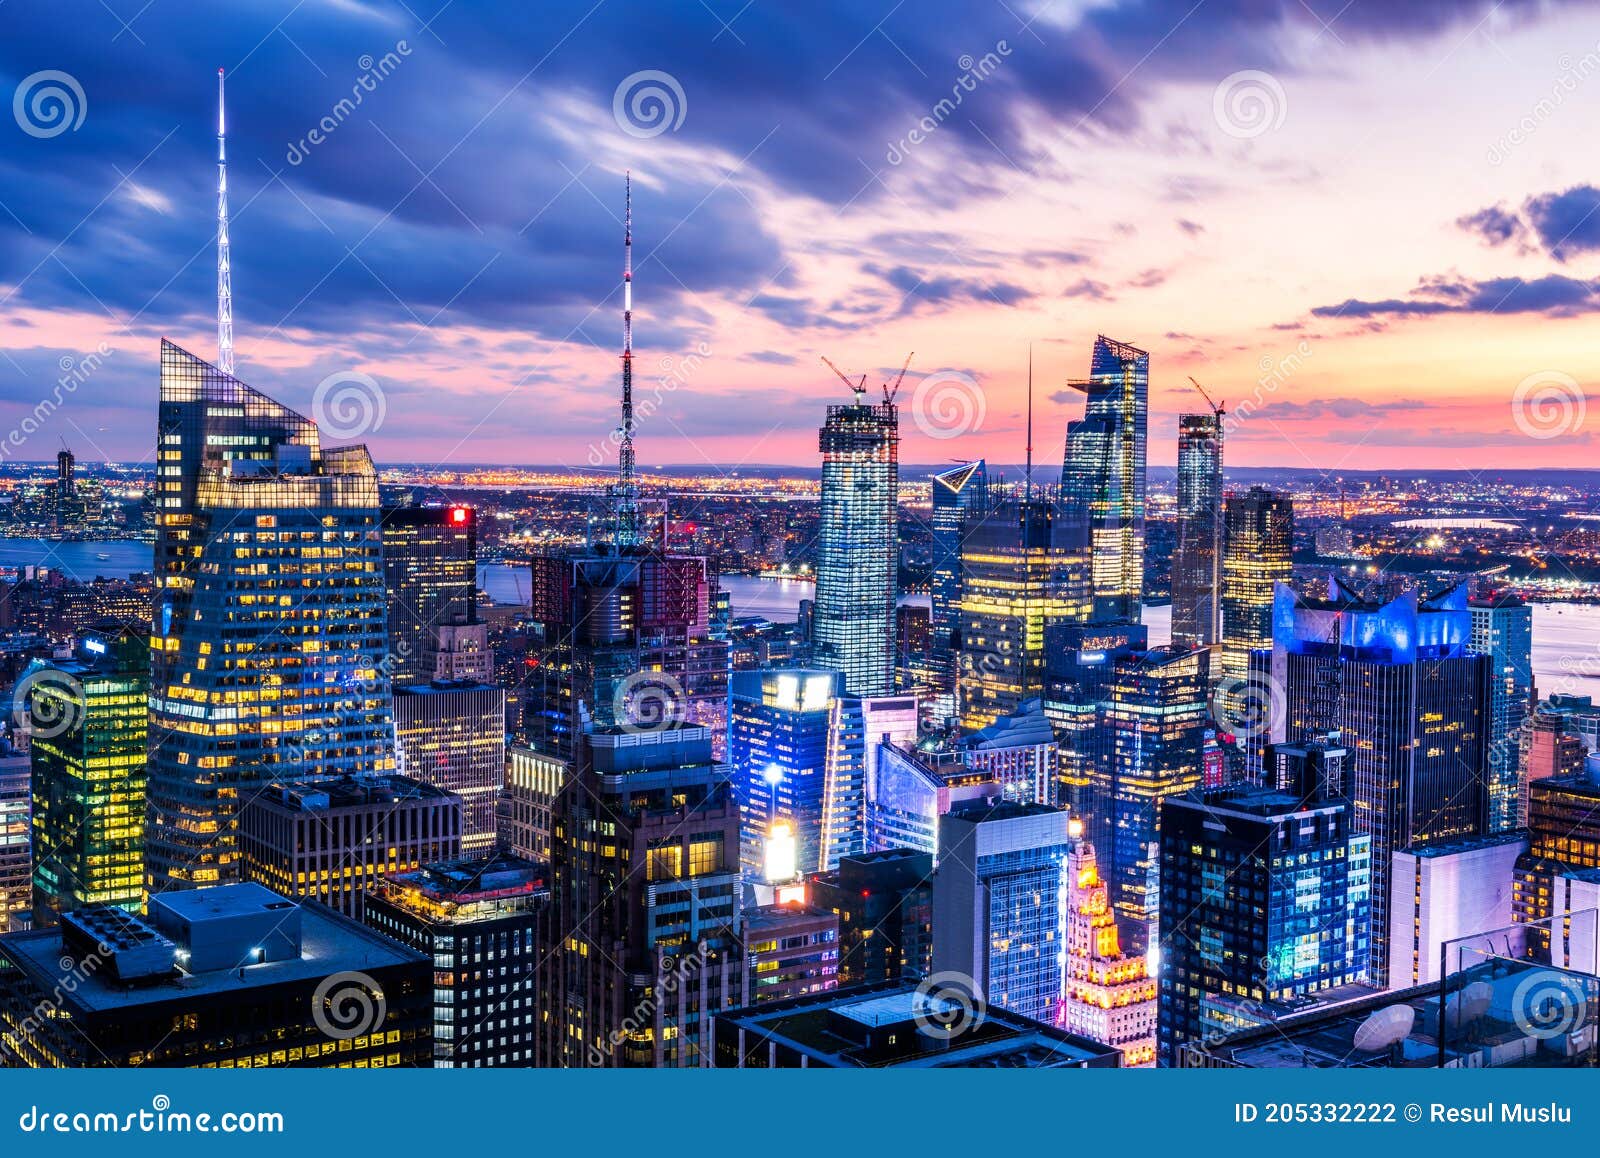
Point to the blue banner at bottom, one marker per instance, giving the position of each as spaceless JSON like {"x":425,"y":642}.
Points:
{"x":531,"y":1112}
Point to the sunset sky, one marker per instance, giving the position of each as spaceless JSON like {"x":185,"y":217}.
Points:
{"x":1390,"y":219}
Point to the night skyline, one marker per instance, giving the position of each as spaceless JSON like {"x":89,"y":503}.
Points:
{"x":1371,"y":223}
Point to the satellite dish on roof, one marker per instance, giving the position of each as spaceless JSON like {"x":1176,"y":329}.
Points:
{"x":1468,"y":1006}
{"x":1386,"y":1027}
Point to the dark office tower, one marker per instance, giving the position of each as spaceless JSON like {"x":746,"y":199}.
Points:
{"x":1502,"y":629}
{"x":884,"y":902}
{"x":1197,"y":559}
{"x":1081,"y":662}
{"x":481,"y":921}
{"x":1257,"y":552}
{"x":959,"y":494}
{"x":331,"y":838}
{"x":644,"y":946}
{"x":450,"y":732}
{"x":1151,"y":728}
{"x":627,"y":640}
{"x":430,"y":579}
{"x":16,"y":844}
{"x":89,"y":715}
{"x":269,"y":637}
{"x":1264,"y":902}
{"x":1103,"y":475}
{"x":858,"y":548}
{"x":1025,"y":569}
{"x":627,"y":628}
{"x":1409,"y":699}
{"x":778,"y":747}
{"x":236,"y":977}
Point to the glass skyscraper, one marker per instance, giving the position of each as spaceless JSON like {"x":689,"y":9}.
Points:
{"x":1264,"y":903}
{"x":1257,"y":553}
{"x":269,"y":639}
{"x":857,"y":729}
{"x":89,"y":776}
{"x":858,"y":545}
{"x":999,"y":903}
{"x":1024,"y":570}
{"x":1399,"y":684}
{"x":430,"y":568}
{"x":959,"y":494}
{"x":778,"y":746}
{"x":1502,"y":629}
{"x":1197,"y":559}
{"x":1103,"y":475}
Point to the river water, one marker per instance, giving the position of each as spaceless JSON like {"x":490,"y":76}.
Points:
{"x":1566,"y":636}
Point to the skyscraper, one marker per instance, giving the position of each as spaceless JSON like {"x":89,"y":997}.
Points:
{"x":1197,"y":559}
{"x":778,"y":746}
{"x":1151,"y":733}
{"x":481,"y":921}
{"x":16,"y":844}
{"x":959,"y":494}
{"x":1264,"y":902}
{"x":1400,"y":685}
{"x":858,"y":548}
{"x":644,"y":941}
{"x":1025,"y":568}
{"x":430,"y":580}
{"x":857,"y":730}
{"x":998,"y":903}
{"x":627,"y":628}
{"x":1103,"y":475}
{"x":884,"y":902}
{"x":89,"y":776}
{"x":1502,"y":629}
{"x":1110,"y":996}
{"x":1257,"y":552}
{"x":269,"y":635}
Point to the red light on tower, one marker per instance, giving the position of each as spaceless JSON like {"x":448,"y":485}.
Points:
{"x":458,"y":514}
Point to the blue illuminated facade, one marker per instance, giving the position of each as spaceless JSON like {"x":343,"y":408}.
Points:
{"x":958,"y":494}
{"x":778,"y":746}
{"x":1265,"y":903}
{"x":1502,"y":629}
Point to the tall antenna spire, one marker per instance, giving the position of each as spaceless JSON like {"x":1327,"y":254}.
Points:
{"x":224,"y":268}
{"x":1030,"y":424}
{"x":626,"y":491}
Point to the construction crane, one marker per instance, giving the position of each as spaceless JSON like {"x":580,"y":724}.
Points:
{"x":890,"y":391}
{"x":1219,"y":409}
{"x":859,"y":388}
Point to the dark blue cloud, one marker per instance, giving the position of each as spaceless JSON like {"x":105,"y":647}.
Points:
{"x":1495,"y":225}
{"x":1552,"y":295}
{"x":476,"y":183}
{"x":1567,"y":223}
